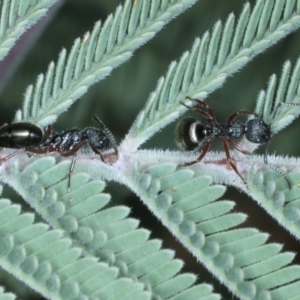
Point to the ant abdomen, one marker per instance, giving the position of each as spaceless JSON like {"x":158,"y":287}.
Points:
{"x":20,"y":134}
{"x":189,"y":132}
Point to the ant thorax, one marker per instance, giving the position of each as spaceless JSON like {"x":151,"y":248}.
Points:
{"x":236,"y":130}
{"x":68,"y":139}
{"x":65,"y":141}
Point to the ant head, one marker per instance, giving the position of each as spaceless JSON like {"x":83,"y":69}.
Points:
{"x":189,"y":133}
{"x":108,"y":134}
{"x":257,"y":131}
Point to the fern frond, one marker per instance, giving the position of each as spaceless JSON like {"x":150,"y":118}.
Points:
{"x":43,"y":259}
{"x":286,"y":91}
{"x":6,"y":296}
{"x":95,"y":56}
{"x":106,"y":233}
{"x":267,"y":186}
{"x":240,"y":258}
{"x":211,"y":61}
{"x":271,"y":192}
{"x":16,"y":17}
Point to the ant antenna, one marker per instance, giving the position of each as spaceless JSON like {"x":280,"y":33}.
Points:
{"x":108,"y":133}
{"x":289,"y":183}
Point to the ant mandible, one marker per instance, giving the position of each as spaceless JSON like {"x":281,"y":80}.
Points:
{"x":29,"y":137}
{"x":190,"y":134}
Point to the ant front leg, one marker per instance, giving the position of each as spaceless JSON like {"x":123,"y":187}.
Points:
{"x":241,"y":112}
{"x":97,"y":151}
{"x":237,"y":147}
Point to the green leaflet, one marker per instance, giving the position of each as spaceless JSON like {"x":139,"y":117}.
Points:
{"x":6,"y":296}
{"x":240,"y":258}
{"x":103,"y":233}
{"x":184,"y":201}
{"x":44,"y":259}
{"x":281,"y":203}
{"x":210,"y":62}
{"x":94,"y":56}
{"x":16,"y":17}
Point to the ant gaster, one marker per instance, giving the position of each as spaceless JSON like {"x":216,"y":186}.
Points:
{"x":190,"y":134}
{"x":29,"y":137}
{"x":20,"y":135}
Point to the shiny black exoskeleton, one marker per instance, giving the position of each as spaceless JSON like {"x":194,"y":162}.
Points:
{"x":190,"y":134}
{"x":70,"y":141}
{"x":20,"y":135}
{"x":29,"y":137}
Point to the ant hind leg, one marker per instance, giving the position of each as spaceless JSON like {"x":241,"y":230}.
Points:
{"x":71,"y":169}
{"x":203,"y":153}
{"x":233,"y":166}
{"x":6,"y":158}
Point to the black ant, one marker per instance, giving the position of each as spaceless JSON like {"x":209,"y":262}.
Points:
{"x":29,"y":137}
{"x":190,"y":134}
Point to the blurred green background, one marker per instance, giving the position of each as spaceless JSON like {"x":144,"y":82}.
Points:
{"x":118,"y":98}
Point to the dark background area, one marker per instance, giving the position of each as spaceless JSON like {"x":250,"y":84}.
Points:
{"x":118,"y":98}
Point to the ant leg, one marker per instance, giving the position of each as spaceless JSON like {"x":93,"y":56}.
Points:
{"x":209,"y":109}
{"x":203,"y":153}
{"x":237,"y":147}
{"x":57,"y":149}
{"x":6,"y":158}
{"x":72,"y":152}
{"x":197,"y":110}
{"x":233,"y":166}
{"x":3,"y":125}
{"x":36,"y":150}
{"x":69,"y":176}
{"x":97,"y":151}
{"x":282,"y":174}
{"x":241,"y":112}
